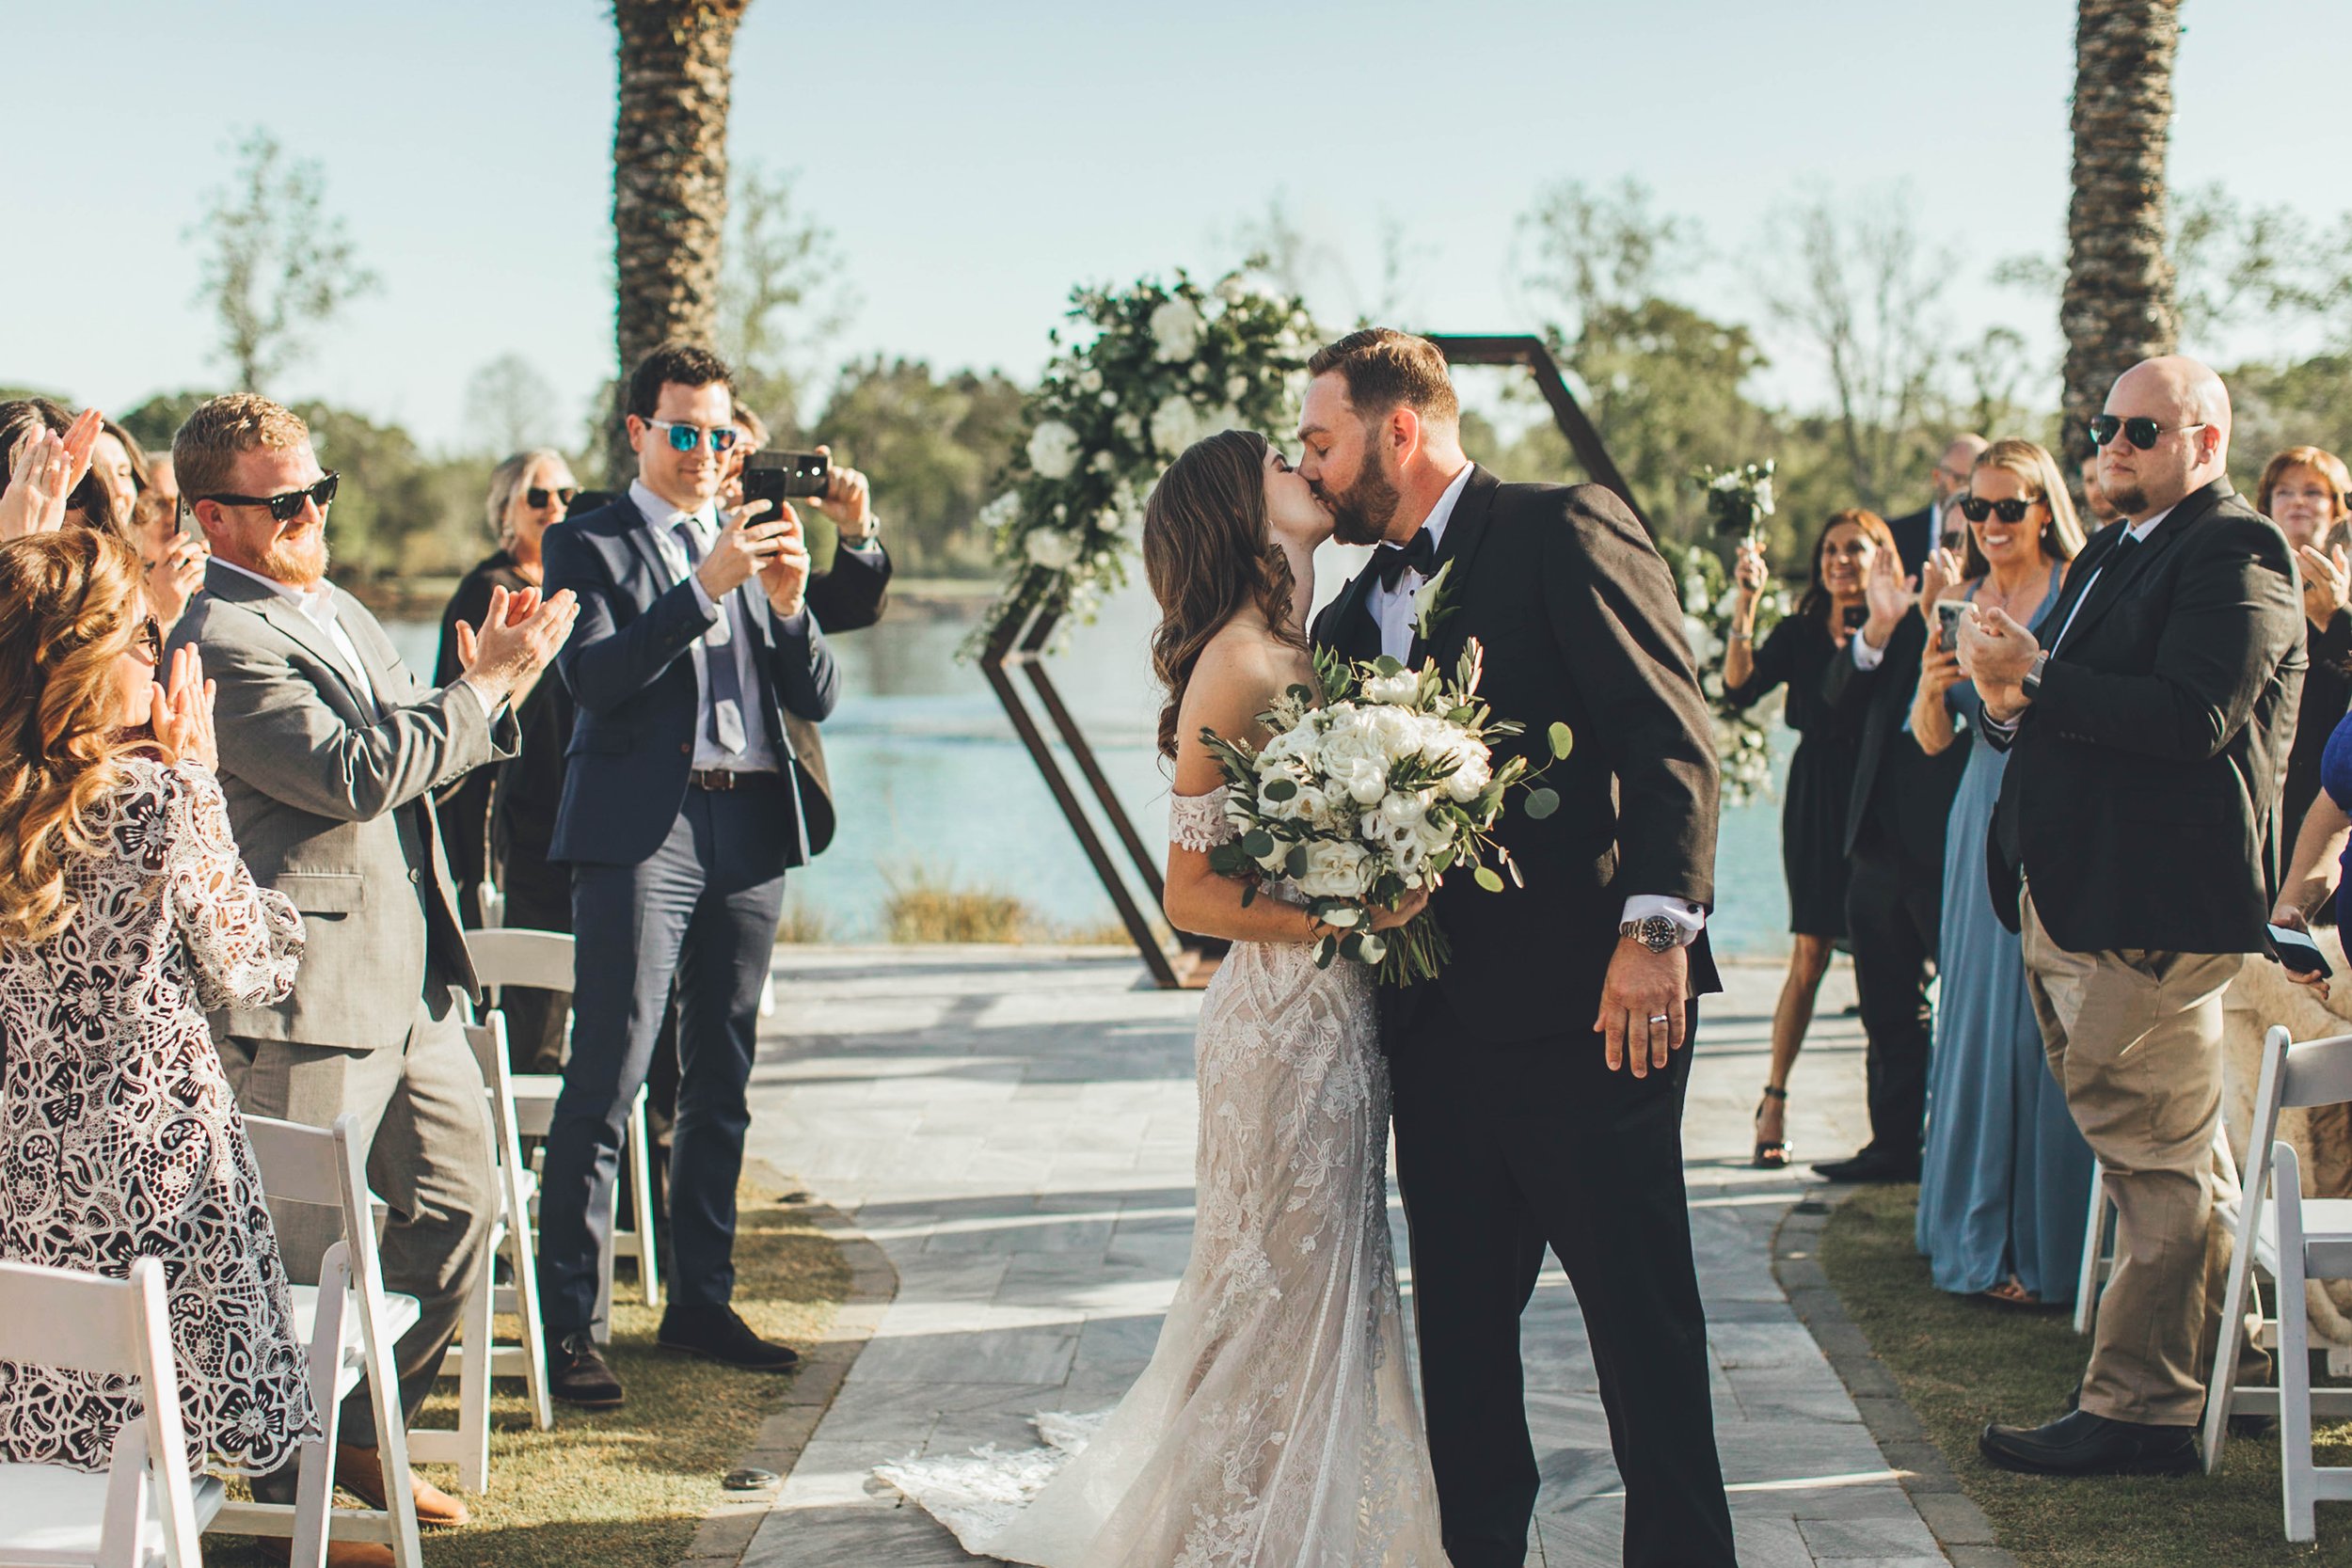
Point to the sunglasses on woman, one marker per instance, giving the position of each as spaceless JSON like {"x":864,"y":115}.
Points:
{"x":2011,"y":510}
{"x":147,"y":641}
{"x":686,"y":437}
{"x":538,"y":494}
{"x":2141,"y":430}
{"x":285,"y":508}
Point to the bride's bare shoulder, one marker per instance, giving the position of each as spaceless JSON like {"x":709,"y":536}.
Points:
{"x":1240,"y":670}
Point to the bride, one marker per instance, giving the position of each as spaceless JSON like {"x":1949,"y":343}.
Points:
{"x":1274,"y":1427}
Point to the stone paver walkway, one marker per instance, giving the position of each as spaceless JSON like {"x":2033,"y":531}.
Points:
{"x":1014,"y":1127}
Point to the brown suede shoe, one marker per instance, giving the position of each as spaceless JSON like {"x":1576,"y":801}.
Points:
{"x":340,"y":1554}
{"x":358,"y":1472}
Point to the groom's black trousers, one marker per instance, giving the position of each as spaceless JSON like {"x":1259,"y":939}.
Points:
{"x":1503,"y":1151}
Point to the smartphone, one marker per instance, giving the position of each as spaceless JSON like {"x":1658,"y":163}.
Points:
{"x":778,"y":476}
{"x":2298,"y":952}
{"x":1948,"y":615}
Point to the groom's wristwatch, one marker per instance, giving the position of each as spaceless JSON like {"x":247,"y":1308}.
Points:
{"x":1656,"y":932}
{"x":2030,"y":683}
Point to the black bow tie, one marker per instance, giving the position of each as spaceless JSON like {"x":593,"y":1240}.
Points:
{"x":1417,"y":554}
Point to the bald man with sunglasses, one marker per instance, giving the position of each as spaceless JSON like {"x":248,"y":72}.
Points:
{"x":2136,"y":846}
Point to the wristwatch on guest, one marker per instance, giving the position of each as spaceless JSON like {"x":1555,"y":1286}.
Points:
{"x":873,"y":524}
{"x":1656,"y":932}
{"x":2031,"y":682}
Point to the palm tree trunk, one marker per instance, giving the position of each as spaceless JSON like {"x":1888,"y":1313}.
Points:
{"x":669,"y":181}
{"x":2118,"y":305}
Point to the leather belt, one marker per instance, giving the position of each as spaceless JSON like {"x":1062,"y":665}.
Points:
{"x":719,"y":779}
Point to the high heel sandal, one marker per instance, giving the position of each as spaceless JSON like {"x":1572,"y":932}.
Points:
{"x":1772,"y":1156}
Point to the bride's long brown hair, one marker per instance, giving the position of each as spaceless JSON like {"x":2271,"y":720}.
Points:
{"x":1208,"y":555}
{"x":70,"y":606}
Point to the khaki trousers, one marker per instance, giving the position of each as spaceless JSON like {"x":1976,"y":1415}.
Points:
{"x":2134,"y":1039}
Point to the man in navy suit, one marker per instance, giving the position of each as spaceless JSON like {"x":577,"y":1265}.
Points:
{"x":1936,"y":526}
{"x":683,"y":806}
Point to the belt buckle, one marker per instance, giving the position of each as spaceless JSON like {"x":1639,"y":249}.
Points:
{"x":717,"y":781}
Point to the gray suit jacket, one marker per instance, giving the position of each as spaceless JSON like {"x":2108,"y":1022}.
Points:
{"x":332,"y":807}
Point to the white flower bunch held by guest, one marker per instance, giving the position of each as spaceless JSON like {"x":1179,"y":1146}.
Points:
{"x":1374,"y":794}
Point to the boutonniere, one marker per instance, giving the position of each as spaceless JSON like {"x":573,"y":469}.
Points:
{"x":1430,"y":605}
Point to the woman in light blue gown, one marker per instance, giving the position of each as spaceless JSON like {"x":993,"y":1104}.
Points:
{"x":2005,"y":1183}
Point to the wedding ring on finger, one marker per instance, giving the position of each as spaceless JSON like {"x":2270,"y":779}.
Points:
{"x":1661,"y":1017}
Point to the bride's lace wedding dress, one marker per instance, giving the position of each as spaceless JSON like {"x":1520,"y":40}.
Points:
{"x":1274,"y":1427}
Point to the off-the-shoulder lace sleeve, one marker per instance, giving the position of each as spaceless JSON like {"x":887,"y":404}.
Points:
{"x":1199,"y":821}
{"x":243,"y":940}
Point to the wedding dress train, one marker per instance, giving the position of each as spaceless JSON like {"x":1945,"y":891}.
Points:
{"x":1274,"y":1427}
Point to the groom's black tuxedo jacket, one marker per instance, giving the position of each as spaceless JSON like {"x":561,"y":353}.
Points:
{"x":2141,"y":797}
{"x":1581,"y":623}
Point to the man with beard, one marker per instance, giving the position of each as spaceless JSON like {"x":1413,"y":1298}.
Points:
{"x":329,"y":752}
{"x":2137,"y":846}
{"x":1538,"y":1082}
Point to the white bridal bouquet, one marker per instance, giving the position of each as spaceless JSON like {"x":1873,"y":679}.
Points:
{"x":1380,"y":790}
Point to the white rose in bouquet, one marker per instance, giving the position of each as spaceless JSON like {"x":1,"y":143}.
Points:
{"x":1335,"y":870}
{"x":1176,"y":329}
{"x":1404,"y":809}
{"x":1431,"y":834}
{"x":1054,"y":449}
{"x":1175,"y":426}
{"x":1367,"y":782}
{"x":1399,"y":732}
{"x":1056,"y":553}
{"x":1399,"y":688}
{"x":1469,"y":781}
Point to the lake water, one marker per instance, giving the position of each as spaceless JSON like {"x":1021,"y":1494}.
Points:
{"x":928,"y":773}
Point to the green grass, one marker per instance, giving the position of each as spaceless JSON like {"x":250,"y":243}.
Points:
{"x":626,"y":1488}
{"x":1963,"y":1363}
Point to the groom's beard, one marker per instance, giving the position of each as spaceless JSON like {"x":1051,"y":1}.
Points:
{"x":1361,"y":513}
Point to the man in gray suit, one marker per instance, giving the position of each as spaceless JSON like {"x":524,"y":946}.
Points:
{"x":329,"y":750}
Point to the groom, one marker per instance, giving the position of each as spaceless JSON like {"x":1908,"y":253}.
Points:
{"x":1538,"y":1084}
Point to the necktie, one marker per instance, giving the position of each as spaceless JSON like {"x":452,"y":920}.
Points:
{"x":1392,"y":561}
{"x":726,"y":681}
{"x":2107,"y":568}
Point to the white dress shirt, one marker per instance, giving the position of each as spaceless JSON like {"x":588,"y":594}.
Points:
{"x":758,"y":755}
{"x":1391,"y":610}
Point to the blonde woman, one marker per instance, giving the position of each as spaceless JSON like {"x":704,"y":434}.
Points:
{"x":496,"y":822}
{"x":2005,"y":1177}
{"x":125,"y":916}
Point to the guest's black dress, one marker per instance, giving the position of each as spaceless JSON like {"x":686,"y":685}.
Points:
{"x":1821,"y":775}
{"x":2326,"y":693}
{"x":498,"y":820}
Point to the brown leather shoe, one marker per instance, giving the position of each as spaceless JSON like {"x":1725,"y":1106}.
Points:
{"x":340,"y":1554}
{"x":358,"y":1472}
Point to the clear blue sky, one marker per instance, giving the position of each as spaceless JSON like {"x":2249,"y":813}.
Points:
{"x":974,"y":161}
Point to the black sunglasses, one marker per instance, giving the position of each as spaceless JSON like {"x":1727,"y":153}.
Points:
{"x":2141,"y":430}
{"x":285,"y":508}
{"x":2012,"y":510}
{"x":147,"y":641}
{"x":538,"y":494}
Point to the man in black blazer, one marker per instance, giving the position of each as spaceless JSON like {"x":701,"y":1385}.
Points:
{"x":683,"y":806}
{"x":1538,"y":1082}
{"x":1917,"y":533}
{"x":1895,"y":884}
{"x":2137,"y":848}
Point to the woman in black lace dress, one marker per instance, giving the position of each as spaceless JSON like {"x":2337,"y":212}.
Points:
{"x":1821,"y":775}
{"x":125,"y":916}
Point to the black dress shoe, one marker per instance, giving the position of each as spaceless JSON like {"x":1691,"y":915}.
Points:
{"x":578,"y":1374}
{"x":715,"y":1333}
{"x":2081,"y":1444}
{"x":1869,"y":1167}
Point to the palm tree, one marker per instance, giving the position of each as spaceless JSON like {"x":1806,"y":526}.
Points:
{"x":669,"y":179}
{"x":2118,"y":305}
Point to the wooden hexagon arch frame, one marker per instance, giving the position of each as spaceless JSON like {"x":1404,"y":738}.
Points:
{"x":1019,"y":640}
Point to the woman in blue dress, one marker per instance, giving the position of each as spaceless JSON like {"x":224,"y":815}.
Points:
{"x":2005,"y":1183}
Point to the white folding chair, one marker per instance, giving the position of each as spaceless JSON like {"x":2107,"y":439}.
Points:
{"x":2098,"y":1251}
{"x":2291,"y":1239}
{"x":350,"y":1323}
{"x":144,"y":1511}
{"x":468,"y":1444}
{"x":512,"y":955}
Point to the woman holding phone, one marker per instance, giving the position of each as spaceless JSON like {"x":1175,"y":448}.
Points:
{"x":2005,"y":1177}
{"x":1821,"y":775}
